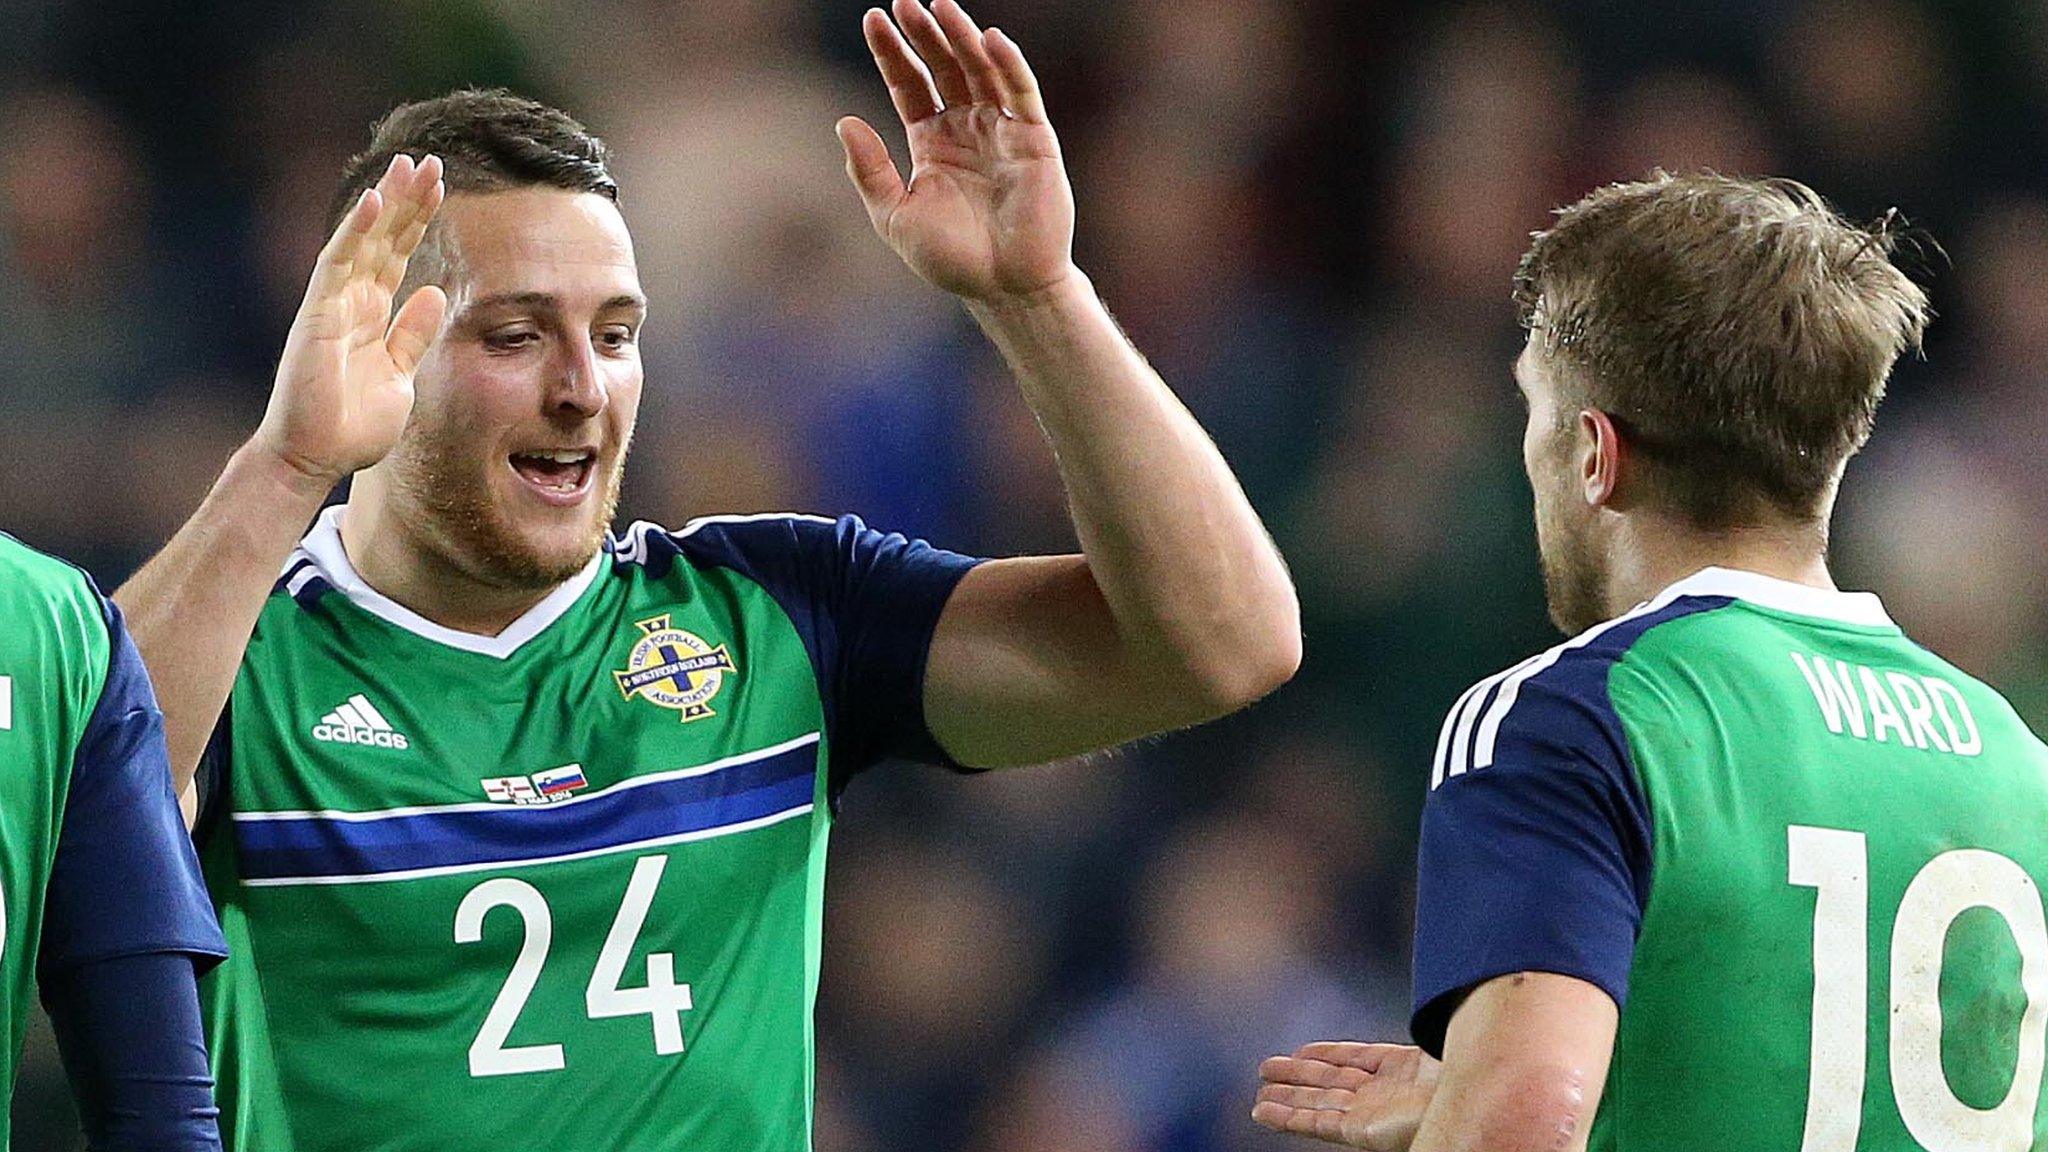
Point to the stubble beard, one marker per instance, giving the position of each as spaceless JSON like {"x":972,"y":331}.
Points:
{"x":1574,"y":583}
{"x":437,"y":474}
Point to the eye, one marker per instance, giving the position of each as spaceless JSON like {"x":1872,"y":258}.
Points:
{"x":616,"y":337}
{"x":510,"y":340}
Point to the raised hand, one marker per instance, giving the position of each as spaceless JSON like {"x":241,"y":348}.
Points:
{"x":988,"y":213}
{"x":1368,"y":1096}
{"x":344,"y":383}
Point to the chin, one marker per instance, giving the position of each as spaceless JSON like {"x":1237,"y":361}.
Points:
{"x":542,"y":555}
{"x":499,"y":534}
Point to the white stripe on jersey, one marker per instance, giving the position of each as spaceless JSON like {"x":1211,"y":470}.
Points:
{"x":1460,"y":749}
{"x":306,"y":575}
{"x":1489,"y":731}
{"x":1443,"y":738}
{"x":750,"y":518}
{"x":299,"y":556}
{"x":1468,"y":715}
{"x":626,"y":785}
{"x":772,"y":818}
{"x":631,"y":548}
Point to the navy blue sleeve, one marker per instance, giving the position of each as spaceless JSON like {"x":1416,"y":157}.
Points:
{"x":1535,"y":853}
{"x":126,"y":880}
{"x":129,"y":1032}
{"x":866,"y":604}
{"x":210,"y":778}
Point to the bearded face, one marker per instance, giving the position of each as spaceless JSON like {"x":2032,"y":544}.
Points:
{"x":509,"y":469}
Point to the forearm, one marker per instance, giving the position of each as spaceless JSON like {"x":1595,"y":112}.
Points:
{"x":1525,"y":1061}
{"x":1185,"y":567}
{"x":132,"y":1043}
{"x":191,"y":608}
{"x":1545,"y":1111}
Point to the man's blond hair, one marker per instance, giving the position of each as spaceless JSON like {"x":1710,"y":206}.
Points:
{"x":1739,"y":332}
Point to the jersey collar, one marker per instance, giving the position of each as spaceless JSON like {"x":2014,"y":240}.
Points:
{"x":323,"y":545}
{"x":1863,"y":608}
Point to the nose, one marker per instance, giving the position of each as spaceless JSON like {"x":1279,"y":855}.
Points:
{"x":577,"y":387}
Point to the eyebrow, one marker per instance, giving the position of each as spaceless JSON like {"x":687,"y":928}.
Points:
{"x":550,"y":301}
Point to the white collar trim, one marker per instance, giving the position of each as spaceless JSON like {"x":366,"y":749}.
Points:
{"x":323,"y":544}
{"x":1862,"y":608}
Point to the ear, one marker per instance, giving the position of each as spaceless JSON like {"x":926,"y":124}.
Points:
{"x":1601,"y":458}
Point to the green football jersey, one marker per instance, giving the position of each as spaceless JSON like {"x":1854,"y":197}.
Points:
{"x":1800,"y":851}
{"x":94,"y":863}
{"x":557,"y":890}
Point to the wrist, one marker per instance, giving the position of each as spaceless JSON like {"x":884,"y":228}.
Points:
{"x":293,"y":477}
{"x":1069,"y":290}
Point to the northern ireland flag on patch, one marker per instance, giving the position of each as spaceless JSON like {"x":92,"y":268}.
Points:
{"x":511,"y":790}
{"x":559,"y":782}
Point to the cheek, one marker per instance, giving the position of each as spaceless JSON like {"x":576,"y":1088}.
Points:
{"x":478,"y":393}
{"x":623,"y":394}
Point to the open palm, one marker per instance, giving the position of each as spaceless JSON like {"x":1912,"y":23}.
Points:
{"x":987,"y":213}
{"x":344,"y":383}
{"x":1369,"y":1096}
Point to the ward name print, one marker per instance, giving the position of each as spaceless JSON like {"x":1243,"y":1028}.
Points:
{"x":1880,"y":705}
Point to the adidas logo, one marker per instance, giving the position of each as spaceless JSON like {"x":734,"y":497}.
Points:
{"x":359,"y":722}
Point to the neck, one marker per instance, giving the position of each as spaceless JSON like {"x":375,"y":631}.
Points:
{"x":393,"y":558}
{"x":1651,"y":553}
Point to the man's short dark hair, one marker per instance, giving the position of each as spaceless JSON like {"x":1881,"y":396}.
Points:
{"x":489,"y":140}
{"x":1738,"y":331}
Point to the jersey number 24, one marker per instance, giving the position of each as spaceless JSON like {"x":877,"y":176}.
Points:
{"x":662,"y":1000}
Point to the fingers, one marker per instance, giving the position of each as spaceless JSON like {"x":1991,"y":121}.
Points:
{"x":930,"y":42}
{"x":946,"y":61}
{"x":910,"y":86}
{"x":874,"y":175}
{"x":413,"y":213}
{"x":964,"y":43}
{"x":1311,"y":1073}
{"x":1019,"y":85}
{"x":1300,"y":1121}
{"x":339,"y":254}
{"x":1300,"y":1096}
{"x":414,"y":328}
{"x":1368,"y":1057}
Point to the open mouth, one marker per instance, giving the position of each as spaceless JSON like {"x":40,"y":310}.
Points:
{"x":562,"y":475}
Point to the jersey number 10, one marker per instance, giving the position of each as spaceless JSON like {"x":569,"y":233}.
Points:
{"x":662,"y":1001}
{"x":1836,"y":863}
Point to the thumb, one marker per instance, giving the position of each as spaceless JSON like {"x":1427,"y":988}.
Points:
{"x":873,"y":174}
{"x":415,"y":327}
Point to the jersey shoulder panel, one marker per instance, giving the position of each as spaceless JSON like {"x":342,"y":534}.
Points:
{"x":1535,"y":850}
{"x":56,"y":605}
{"x":757,"y":545}
{"x":865,"y":604}
{"x":1557,"y":698}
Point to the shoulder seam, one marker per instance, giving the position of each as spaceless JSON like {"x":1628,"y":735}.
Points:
{"x":631,"y":547}
{"x":1473,"y":741}
{"x":747,"y":518}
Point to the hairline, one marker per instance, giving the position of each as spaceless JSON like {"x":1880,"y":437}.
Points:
{"x":447,"y":257}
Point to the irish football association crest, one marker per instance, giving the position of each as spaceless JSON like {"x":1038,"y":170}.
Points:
{"x":675,"y":669}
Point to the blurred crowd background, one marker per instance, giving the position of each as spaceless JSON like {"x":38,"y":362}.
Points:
{"x":1306,"y":213}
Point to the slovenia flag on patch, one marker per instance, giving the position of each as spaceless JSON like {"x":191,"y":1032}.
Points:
{"x":560,"y":781}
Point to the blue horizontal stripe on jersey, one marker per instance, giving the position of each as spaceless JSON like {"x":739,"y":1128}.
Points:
{"x":319,"y":846}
